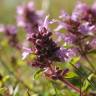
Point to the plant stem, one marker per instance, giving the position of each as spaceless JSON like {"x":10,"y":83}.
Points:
{"x":62,"y":79}
{"x":87,"y":59}
{"x":82,"y":52}
{"x":81,"y":74}
{"x":68,"y":84}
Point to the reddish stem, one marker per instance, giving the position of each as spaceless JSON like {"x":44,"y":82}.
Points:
{"x":68,"y":84}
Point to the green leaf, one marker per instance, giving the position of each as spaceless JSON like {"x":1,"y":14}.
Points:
{"x":38,"y":74}
{"x":74,"y":60}
{"x":86,"y":83}
{"x":70,"y":75}
{"x":5,"y":78}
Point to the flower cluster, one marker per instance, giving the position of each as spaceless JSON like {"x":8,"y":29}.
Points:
{"x":78,"y":39}
{"x":80,"y":27}
{"x":39,"y":36}
{"x":28,"y":17}
{"x":44,"y":46}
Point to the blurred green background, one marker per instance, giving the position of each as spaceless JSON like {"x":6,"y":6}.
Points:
{"x":42,"y":87}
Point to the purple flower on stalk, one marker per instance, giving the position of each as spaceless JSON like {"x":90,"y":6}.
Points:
{"x":80,"y":11}
{"x":80,"y":26}
{"x":87,"y":29}
{"x":68,"y":24}
{"x":8,"y":29}
{"x":66,"y":38}
{"x":64,"y":15}
{"x":78,"y":23}
{"x":89,"y":13}
{"x":43,"y":45}
{"x":28,"y":17}
{"x":66,"y":55}
{"x":62,"y":25}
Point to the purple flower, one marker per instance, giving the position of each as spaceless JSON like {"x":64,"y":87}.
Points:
{"x":80,"y":8}
{"x":69,"y":25}
{"x":65,"y":55}
{"x":64,"y":15}
{"x":70,"y":39}
{"x":26,"y":52}
{"x":66,"y":38}
{"x":39,"y":35}
{"x":86,"y":29}
{"x":43,"y":45}
{"x":28,"y":17}
{"x":8,"y":29}
{"x":62,"y":25}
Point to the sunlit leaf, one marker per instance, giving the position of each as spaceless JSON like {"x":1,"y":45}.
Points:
{"x":74,"y":60}
{"x":5,"y":78}
{"x":70,"y":75}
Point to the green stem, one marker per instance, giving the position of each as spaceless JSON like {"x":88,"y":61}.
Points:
{"x":82,"y":52}
{"x":81,"y":74}
{"x":87,"y":59}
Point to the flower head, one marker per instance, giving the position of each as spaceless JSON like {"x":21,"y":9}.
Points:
{"x":28,"y":17}
{"x":80,"y":8}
